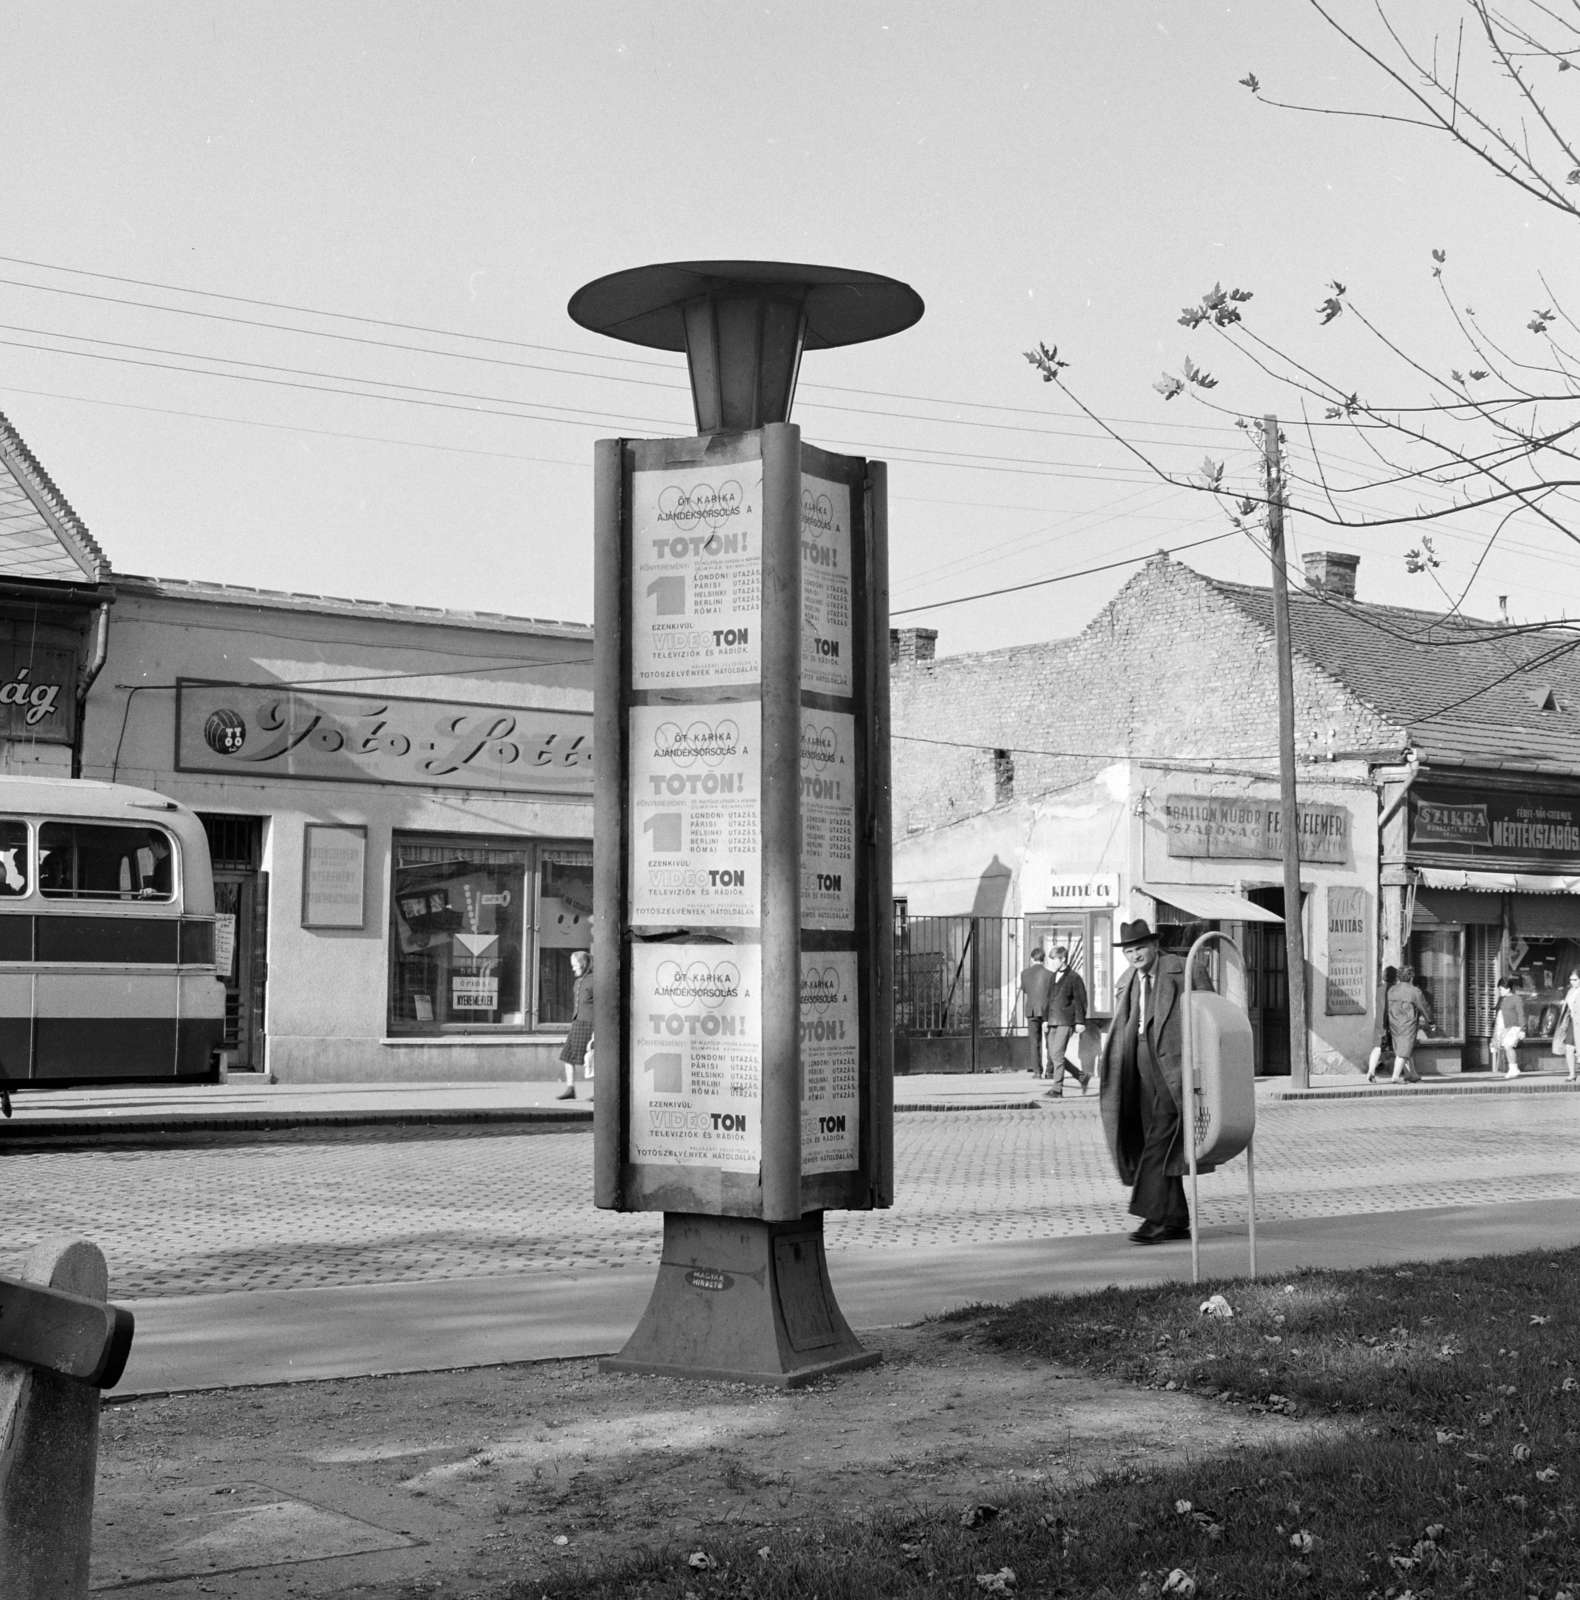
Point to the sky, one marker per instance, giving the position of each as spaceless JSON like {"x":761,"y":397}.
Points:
{"x":283,"y":287}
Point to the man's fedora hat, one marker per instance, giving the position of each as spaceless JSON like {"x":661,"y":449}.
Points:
{"x":1133,"y":933}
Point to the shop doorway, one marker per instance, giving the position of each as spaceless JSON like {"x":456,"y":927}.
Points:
{"x":1267,"y":985}
{"x":241,"y":933}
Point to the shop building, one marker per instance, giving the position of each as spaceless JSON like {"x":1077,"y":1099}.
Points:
{"x":55,"y":601}
{"x":1439,"y":785}
{"x":397,"y":799}
{"x":399,"y":809}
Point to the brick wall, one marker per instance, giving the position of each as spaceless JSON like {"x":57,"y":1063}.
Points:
{"x":1171,"y":667}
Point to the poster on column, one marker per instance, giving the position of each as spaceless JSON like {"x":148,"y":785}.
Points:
{"x":830,"y":1033}
{"x":696,"y":1055}
{"x":695,"y":796}
{"x":828,"y":820}
{"x":825,"y":586}
{"x":696,"y":567}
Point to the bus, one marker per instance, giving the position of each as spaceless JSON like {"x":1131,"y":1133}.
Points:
{"x":107,"y":937}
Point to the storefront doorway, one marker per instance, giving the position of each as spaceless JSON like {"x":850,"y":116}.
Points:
{"x":241,"y":932}
{"x":1267,"y":985}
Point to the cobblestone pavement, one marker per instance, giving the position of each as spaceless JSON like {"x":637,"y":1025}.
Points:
{"x":369,"y":1206}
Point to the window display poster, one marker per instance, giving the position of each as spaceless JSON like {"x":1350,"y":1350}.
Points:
{"x":696,"y":794}
{"x":825,"y":586}
{"x":828,"y":820}
{"x":696,"y":568}
{"x":333,"y":865}
{"x":225,"y":944}
{"x":696,"y":1056}
{"x":830,"y":1040}
{"x":1347,"y":952}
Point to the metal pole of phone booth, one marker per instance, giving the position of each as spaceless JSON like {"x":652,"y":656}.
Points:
{"x":1250,"y":1196}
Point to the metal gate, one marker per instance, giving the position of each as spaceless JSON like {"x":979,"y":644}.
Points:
{"x":958,"y":979}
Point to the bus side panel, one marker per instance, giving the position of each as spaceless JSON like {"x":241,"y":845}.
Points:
{"x":16,"y":1026}
{"x":202,"y":1026}
{"x":106,"y":1025}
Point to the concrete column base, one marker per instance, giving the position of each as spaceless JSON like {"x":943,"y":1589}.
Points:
{"x":744,"y":1301}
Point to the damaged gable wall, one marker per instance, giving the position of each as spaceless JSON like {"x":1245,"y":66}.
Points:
{"x":1169,"y":668}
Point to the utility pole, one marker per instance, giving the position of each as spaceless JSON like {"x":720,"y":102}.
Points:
{"x":1289,"y":813}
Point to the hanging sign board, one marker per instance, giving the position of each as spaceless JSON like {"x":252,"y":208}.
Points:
{"x":1521,"y":828}
{"x":1249,"y":828}
{"x":334,"y":868}
{"x":1348,"y":957}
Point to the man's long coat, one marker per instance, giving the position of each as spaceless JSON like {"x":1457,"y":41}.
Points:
{"x":1166,"y":1030}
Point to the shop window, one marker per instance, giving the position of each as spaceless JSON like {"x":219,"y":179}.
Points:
{"x":1438,"y":956}
{"x":466,"y":951}
{"x":13,"y":857}
{"x":94,"y":861}
{"x":1088,"y":936}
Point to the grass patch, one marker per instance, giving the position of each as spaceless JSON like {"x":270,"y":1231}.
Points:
{"x":1452,"y":1467}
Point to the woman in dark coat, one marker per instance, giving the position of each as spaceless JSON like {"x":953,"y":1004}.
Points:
{"x":580,"y":1036}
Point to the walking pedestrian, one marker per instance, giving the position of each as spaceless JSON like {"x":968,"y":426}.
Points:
{"x":1508,"y":1025}
{"x":1066,"y":1021}
{"x":1408,"y":1013}
{"x":1140,"y":1089}
{"x":1382,"y":1038}
{"x":1567,"y":1032}
{"x":1035,"y":982}
{"x":574,"y":1051}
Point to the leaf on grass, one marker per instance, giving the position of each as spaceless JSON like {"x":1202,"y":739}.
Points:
{"x":1547,"y":1475}
{"x":978,"y":1516}
{"x":1518,"y":1501}
{"x":701,"y":1561}
{"x":1539,"y":1322}
{"x":1179,"y":1582}
{"x":1000,"y":1582}
{"x":1303,"y":1543}
{"x":1445,"y":1437}
{"x":1520,"y":1452}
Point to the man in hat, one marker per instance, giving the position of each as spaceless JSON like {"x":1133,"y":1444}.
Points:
{"x":1141,"y":1086}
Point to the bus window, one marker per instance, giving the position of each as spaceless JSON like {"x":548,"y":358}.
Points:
{"x":13,"y":857}
{"x":101,"y":861}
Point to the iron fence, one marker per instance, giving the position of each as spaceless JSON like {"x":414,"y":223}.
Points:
{"x":957,"y":977}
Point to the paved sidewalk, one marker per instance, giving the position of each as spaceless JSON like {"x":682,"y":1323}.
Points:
{"x":250,"y":1104}
{"x":236,"y":1340}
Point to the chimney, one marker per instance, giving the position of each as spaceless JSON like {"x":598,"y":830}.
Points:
{"x":1333,"y":572}
{"x":907,"y":646}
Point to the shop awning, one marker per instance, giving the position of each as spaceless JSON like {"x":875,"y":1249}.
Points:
{"x":1208,"y":905}
{"x":1497,"y":882}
